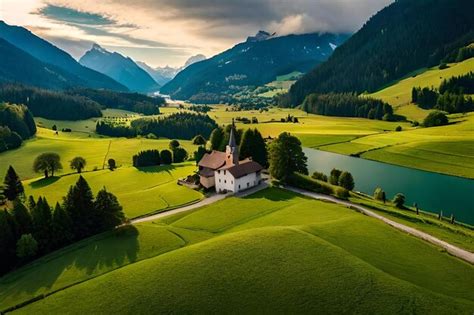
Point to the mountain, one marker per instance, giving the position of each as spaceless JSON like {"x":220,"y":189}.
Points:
{"x":261,"y":35}
{"x":163,"y":75}
{"x":122,"y":69}
{"x":403,"y":37}
{"x":254,"y":62}
{"x":20,"y":67}
{"x":50,"y":54}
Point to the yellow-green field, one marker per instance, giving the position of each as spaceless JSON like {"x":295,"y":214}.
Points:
{"x":273,"y":251}
{"x":399,"y":94}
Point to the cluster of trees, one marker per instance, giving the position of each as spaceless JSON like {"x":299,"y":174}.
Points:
{"x":179,"y":125}
{"x":337,"y":177}
{"x":200,"y":108}
{"x":27,"y":232}
{"x":253,"y":145}
{"x":348,"y":105}
{"x":435,"y":118}
{"x":175,"y":154}
{"x":220,"y":137}
{"x":16,"y":125}
{"x":450,"y":96}
{"x":286,"y":156}
{"x":134,"y":102}
{"x":50,"y":104}
{"x":394,"y":42}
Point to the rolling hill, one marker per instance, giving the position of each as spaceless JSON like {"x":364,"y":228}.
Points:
{"x":273,"y":251}
{"x":405,"y":36}
{"x":122,"y":69}
{"x":72,"y":72}
{"x":254,"y":62}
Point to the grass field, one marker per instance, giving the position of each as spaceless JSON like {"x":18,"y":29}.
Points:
{"x":275,"y":250}
{"x":399,"y":93}
{"x":139,"y":191}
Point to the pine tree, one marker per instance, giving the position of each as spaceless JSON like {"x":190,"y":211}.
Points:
{"x":78,"y":204}
{"x":108,"y":211}
{"x":7,"y":242}
{"x":13,"y":187}
{"x":22,"y":218}
{"x":253,"y":145}
{"x":42,"y":225}
{"x":61,"y":227}
{"x":216,"y":139}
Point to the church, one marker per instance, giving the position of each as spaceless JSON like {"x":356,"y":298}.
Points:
{"x":225,"y":172}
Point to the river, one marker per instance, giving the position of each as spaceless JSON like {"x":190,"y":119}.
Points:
{"x":432,"y":192}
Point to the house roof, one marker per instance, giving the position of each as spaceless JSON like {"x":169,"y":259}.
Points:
{"x":244,"y":167}
{"x":213,"y":160}
{"x":206,"y":172}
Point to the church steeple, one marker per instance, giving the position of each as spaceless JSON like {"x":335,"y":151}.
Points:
{"x":232,"y":151}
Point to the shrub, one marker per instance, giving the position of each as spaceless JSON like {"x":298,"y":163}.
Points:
{"x":342,"y":193}
{"x":199,"y":140}
{"x":307,"y":183}
{"x":379,"y":194}
{"x":399,"y":128}
{"x":399,"y":200}
{"x":320,"y":176}
{"x":166,"y":157}
{"x":26,"y":247}
{"x":179,"y":155}
{"x":435,"y":118}
{"x":112,"y":164}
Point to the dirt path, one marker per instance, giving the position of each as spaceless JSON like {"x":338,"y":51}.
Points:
{"x":207,"y":201}
{"x":453,"y":250}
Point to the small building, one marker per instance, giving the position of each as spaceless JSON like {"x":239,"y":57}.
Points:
{"x":225,"y":172}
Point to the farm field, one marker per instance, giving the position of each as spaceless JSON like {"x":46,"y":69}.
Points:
{"x":399,"y":94}
{"x":296,"y":254}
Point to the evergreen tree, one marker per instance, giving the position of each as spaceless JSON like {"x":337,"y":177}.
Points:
{"x":7,"y":242}
{"x":26,"y":247}
{"x":22,"y":218}
{"x":217,"y":137}
{"x":31,"y":203}
{"x":62,"y":227}
{"x":42,"y":224}
{"x":3,"y":199}
{"x":399,"y":200}
{"x":253,"y":145}
{"x":13,"y":187}
{"x":286,"y":156}
{"x":109,"y":212}
{"x":78,"y":204}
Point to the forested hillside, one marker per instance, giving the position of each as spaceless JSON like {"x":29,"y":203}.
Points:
{"x":403,"y":37}
{"x":16,"y":125}
{"x":52,"y":55}
{"x":251,"y":63}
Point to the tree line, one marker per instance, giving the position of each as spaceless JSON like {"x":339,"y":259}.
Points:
{"x":349,"y":105}
{"x":16,"y":124}
{"x":449,"y":97}
{"x":154,"y":157}
{"x":182,"y":125}
{"x":34,"y":228}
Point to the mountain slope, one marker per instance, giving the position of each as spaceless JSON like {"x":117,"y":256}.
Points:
{"x":254,"y":62}
{"x":120,"y":68}
{"x":18,"y":66}
{"x":50,"y":54}
{"x":403,"y":37}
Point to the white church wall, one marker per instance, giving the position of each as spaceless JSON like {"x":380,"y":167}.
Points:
{"x":224,"y":181}
{"x":247,"y":181}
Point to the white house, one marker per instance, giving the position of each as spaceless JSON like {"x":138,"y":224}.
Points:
{"x":225,"y":172}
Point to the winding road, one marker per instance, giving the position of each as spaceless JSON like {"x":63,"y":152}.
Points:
{"x":451,"y":249}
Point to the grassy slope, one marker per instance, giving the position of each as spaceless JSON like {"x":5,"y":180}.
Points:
{"x":139,"y":191}
{"x":399,"y":94}
{"x":296,"y":254}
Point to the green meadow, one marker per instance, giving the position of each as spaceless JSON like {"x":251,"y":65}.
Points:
{"x":297,"y":255}
{"x":399,"y":93}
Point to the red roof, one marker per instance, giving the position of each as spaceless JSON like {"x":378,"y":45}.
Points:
{"x":213,"y":160}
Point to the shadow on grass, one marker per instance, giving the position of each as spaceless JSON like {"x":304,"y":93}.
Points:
{"x":43,"y":182}
{"x":158,"y":169}
{"x":273,"y":194}
{"x":92,"y":257}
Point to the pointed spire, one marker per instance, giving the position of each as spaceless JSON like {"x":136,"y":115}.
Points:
{"x":232,"y":142}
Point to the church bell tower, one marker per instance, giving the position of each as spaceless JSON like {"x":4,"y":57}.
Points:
{"x":231,"y":150}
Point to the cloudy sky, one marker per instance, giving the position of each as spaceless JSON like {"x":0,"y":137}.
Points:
{"x":167,"y":32}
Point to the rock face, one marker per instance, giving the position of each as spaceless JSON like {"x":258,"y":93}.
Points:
{"x":260,"y":36}
{"x":122,"y":69}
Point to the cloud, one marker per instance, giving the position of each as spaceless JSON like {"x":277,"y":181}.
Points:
{"x":192,"y":26}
